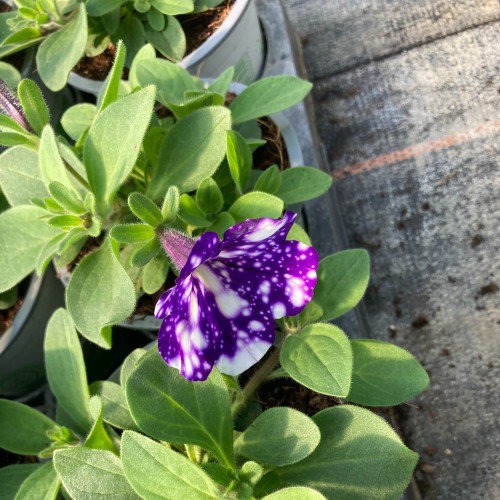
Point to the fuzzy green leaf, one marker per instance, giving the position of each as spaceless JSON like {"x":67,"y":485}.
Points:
{"x":33,"y":104}
{"x":300,"y":184}
{"x":255,"y":205}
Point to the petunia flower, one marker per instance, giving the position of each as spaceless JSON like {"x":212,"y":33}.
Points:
{"x":228,"y":294}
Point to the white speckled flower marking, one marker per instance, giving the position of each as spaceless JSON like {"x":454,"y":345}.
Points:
{"x":229,"y":293}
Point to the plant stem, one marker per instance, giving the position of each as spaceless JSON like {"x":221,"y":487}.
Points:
{"x":76,"y":175}
{"x":254,"y":382}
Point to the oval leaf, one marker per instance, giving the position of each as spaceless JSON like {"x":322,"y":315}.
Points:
{"x":66,"y":368}
{"x":384,"y":374}
{"x":359,"y":457}
{"x":342,"y":281}
{"x":100,"y":294}
{"x":61,"y":50}
{"x":43,"y":484}
{"x":320,"y":358}
{"x":192,"y":150}
{"x":300,"y":184}
{"x":24,"y":430}
{"x":157,"y":472}
{"x":279,"y":436}
{"x":92,"y":475}
{"x":255,"y":205}
{"x":168,"y":407}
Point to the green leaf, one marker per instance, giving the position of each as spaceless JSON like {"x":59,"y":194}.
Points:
{"x":190,"y":213}
{"x":20,"y":177}
{"x":255,"y":205}
{"x":173,"y":7}
{"x":320,"y":358}
{"x":66,"y":368}
{"x":221,"y":84}
{"x":23,"y":35}
{"x":77,"y":119}
{"x":268,"y":96}
{"x":359,"y":457}
{"x":168,"y":407}
{"x":42,"y":484}
{"x":66,"y":199}
{"x":61,"y":50}
{"x":115,"y":408}
{"x":156,"y":19}
{"x":23,"y":235}
{"x":145,"y":209}
{"x":111,"y":86}
{"x":146,"y":52}
{"x":9,"y":74}
{"x":209,"y":197}
{"x":98,"y":439}
{"x":192,"y":150}
{"x":33,"y":104}
{"x":295,"y":493}
{"x":298,"y":234}
{"x":300,"y":184}
{"x":155,"y":274}
{"x":12,"y":476}
{"x":171,"y":42}
{"x":222,"y":222}
{"x":239,"y":158}
{"x":279,"y":436}
{"x":198,"y":101}
{"x":8,"y":298}
{"x":145,"y":253}
{"x":24,"y":430}
{"x":113,"y":143}
{"x":159,"y":473}
{"x":269,"y":181}
{"x":130,"y":363}
{"x":384,"y":374}
{"x":170,"y":205}
{"x":100,"y":294}
{"x":89,"y":474}
{"x":342,"y":281}
{"x":132,"y":233}
{"x":51,"y":164}
{"x":64,"y":221}
{"x":170,"y":79}
{"x":97,"y":8}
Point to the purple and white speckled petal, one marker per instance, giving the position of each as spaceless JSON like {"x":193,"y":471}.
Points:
{"x":206,"y":247}
{"x":258,"y":230}
{"x":185,"y":338}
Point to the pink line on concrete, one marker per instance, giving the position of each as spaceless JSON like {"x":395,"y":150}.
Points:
{"x":416,"y":150}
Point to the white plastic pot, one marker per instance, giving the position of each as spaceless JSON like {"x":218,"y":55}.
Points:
{"x":22,"y":366}
{"x":238,"y":42}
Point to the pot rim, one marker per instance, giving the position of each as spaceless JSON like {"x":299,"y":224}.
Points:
{"x":206,"y":48}
{"x":29,"y":301}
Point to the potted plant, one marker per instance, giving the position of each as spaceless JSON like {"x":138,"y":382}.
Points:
{"x":84,"y":192}
{"x":66,"y":30}
{"x":154,"y":431}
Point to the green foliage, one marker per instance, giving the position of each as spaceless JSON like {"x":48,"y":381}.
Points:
{"x":27,"y":236}
{"x":32,"y":428}
{"x":320,"y":358}
{"x":157,"y":472}
{"x":65,"y":368}
{"x":12,"y":476}
{"x":268,"y":96}
{"x":89,"y":474}
{"x":192,"y":151}
{"x":112,"y":144}
{"x":33,"y":105}
{"x":300,"y":184}
{"x":359,"y":457}
{"x":61,"y":50}
{"x":384,"y":374}
{"x":145,"y":209}
{"x":255,"y":205}
{"x":168,"y":407}
{"x":342,"y":281}
{"x":279,"y":436}
{"x":100,"y":293}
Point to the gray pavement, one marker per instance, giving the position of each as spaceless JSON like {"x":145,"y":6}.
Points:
{"x":407,"y":101}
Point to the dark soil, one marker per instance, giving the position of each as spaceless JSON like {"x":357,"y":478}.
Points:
{"x":98,"y":67}
{"x":200,"y":26}
{"x":91,"y":245}
{"x":7,"y":316}
{"x":287,"y":392}
{"x":274,"y":152}
{"x":197,"y":27}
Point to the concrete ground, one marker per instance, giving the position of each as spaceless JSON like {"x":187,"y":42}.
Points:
{"x":407,"y":100}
